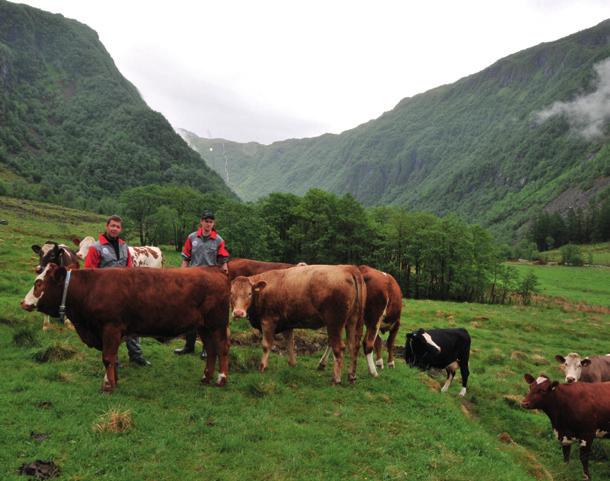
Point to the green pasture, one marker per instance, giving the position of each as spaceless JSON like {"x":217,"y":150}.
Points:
{"x":589,"y":285}
{"x":596,"y":254}
{"x":288,"y":423}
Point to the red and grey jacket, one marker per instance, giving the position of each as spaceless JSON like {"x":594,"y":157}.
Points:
{"x":205,"y":251}
{"x":102,"y":254}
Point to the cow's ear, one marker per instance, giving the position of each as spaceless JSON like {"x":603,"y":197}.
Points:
{"x":36,"y":248}
{"x":554,"y":385}
{"x":529,"y":378}
{"x":259,"y":286}
{"x":410,"y":335}
{"x":59,"y":272}
{"x":76,"y":241}
{"x":585,"y":362}
{"x":560,"y":359}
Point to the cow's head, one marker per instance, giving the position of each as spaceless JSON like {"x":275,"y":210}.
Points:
{"x":243,"y":295}
{"x":540,"y":390}
{"x":48,"y":253}
{"x":572,"y":365}
{"x":420,"y":349}
{"x":83,"y":246}
{"x":45,"y":295}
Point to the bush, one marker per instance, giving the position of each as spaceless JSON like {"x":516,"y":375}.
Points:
{"x":571,"y":255}
{"x":527,"y":287}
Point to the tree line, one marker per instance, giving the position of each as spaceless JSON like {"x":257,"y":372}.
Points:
{"x":431,"y":257}
{"x":577,"y":226}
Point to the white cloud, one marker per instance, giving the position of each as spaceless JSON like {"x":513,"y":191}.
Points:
{"x":587,"y":114}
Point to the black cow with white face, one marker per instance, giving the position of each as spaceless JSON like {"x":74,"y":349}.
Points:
{"x":440,"y":349}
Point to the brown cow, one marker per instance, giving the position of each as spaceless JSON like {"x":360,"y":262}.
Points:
{"x":381,"y":314}
{"x":250,"y":267}
{"x":579,"y":412}
{"x":106,"y":305}
{"x":307,"y":297}
{"x":588,"y":369}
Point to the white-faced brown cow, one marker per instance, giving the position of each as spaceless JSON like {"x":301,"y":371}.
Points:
{"x":106,"y":305}
{"x":143,"y":256}
{"x":587,"y":369}
{"x":308,"y":297}
{"x":579,"y":412}
{"x":60,"y":254}
{"x":381,"y":315}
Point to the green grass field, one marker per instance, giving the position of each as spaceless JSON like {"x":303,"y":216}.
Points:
{"x":288,"y":423}
{"x":589,"y":285}
{"x":598,"y":254}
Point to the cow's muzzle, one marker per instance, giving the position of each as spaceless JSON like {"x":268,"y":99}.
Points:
{"x":239,"y":313}
{"x":27,"y":307}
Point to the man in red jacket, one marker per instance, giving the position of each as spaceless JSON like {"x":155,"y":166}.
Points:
{"x":203,"y":247}
{"x":112,"y":251}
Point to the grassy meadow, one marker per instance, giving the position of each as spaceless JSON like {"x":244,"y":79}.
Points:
{"x":288,"y":423}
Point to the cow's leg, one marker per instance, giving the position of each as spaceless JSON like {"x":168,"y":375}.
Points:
{"x":111,"y":339}
{"x":372,"y":334}
{"x":338,"y":346}
{"x":391,"y":341}
{"x":210,"y":363}
{"x":268,"y":329}
{"x":46,"y":323}
{"x":378,"y":352}
{"x":324,"y":358}
{"x":585,"y":451}
{"x":354,"y":336}
{"x":221,"y":341}
{"x":565,"y":449}
{"x":451,"y":368}
{"x":292,"y":355}
{"x":464,"y":371}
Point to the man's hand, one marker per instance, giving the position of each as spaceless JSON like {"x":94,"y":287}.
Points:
{"x":225,"y":268}
{"x":184,"y":263}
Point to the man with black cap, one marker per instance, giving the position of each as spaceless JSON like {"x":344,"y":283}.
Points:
{"x":203,"y":247}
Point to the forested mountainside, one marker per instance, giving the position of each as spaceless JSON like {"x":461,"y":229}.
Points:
{"x":487,"y":146}
{"x":73,"y":130}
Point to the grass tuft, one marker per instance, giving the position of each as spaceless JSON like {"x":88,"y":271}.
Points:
{"x":262,"y":388}
{"x":56,"y":352}
{"x":26,"y":337}
{"x":114,"y":421}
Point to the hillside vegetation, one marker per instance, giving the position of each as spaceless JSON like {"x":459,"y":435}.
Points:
{"x":73,"y":130}
{"x":288,"y":423}
{"x":473,"y":146}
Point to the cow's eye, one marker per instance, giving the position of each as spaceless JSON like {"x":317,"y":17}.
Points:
{"x":249,"y":294}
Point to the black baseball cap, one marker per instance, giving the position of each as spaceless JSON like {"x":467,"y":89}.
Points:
{"x":207,"y":214}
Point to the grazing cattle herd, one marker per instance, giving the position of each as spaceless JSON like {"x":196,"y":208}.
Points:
{"x":277,"y":298}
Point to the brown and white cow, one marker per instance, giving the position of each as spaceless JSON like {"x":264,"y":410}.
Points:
{"x":106,"y":305}
{"x":60,"y":254}
{"x":381,"y":315}
{"x":308,"y":297}
{"x":579,"y":412}
{"x":587,"y":369}
{"x":143,"y":256}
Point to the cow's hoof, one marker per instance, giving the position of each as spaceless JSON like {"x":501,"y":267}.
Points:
{"x":321,"y":367}
{"x":336,"y":382}
{"x":262,"y":368}
{"x":352,"y":379}
{"x":205,"y":380}
{"x":107,"y":389}
{"x":391,"y":365}
{"x":222,"y":380}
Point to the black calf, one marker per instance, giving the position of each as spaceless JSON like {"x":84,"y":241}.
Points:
{"x":441,"y":349}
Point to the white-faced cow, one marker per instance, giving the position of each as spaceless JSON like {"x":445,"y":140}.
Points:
{"x":308,"y":297}
{"x":588,"y":369}
{"x":440,"y":349}
{"x":143,"y":256}
{"x":381,"y":315}
{"x":106,"y":305}
{"x":579,"y":412}
{"x":60,"y":254}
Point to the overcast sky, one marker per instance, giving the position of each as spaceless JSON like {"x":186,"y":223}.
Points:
{"x":270,"y":70}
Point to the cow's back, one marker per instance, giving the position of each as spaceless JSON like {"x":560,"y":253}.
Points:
{"x":146,"y":256}
{"x":302,"y":296}
{"x":250,"y":267}
{"x":597,"y":371}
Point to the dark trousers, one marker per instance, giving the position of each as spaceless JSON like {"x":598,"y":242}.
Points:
{"x":133,"y":347}
{"x":191,"y":337}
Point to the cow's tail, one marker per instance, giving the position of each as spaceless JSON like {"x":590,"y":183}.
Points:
{"x":358,"y":306}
